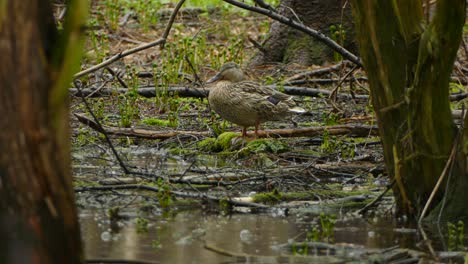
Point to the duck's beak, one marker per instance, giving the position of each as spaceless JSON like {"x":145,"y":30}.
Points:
{"x":214,"y":78}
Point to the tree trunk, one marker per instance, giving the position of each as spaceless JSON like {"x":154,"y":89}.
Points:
{"x":38,"y":218}
{"x":287,"y":45}
{"x":408,"y":63}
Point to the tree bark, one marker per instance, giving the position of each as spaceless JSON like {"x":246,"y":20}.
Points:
{"x":408,"y":62}
{"x":38,"y":218}
{"x":287,"y":45}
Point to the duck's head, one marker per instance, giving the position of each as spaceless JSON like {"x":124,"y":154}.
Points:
{"x":229,"y":72}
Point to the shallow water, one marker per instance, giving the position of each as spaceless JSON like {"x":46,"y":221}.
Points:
{"x":181,"y":238}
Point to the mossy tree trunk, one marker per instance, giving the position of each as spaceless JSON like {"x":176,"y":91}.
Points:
{"x":287,"y":45}
{"x":38,"y":218}
{"x":408,"y":62}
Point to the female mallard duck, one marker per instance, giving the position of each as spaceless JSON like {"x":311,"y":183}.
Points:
{"x":247,"y":103}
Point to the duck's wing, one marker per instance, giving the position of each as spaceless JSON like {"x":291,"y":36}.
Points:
{"x":258,"y":90}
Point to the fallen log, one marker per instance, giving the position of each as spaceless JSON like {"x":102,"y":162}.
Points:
{"x":151,"y":91}
{"x":349,"y":130}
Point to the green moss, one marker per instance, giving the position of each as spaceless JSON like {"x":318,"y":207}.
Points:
{"x":224,"y":140}
{"x":156,"y":122}
{"x":269,"y":197}
{"x":81,"y":183}
{"x":265,"y":145}
{"x":222,"y":143}
{"x":208,"y":144}
{"x":298,"y":44}
{"x":273,"y":197}
{"x":180,"y":151}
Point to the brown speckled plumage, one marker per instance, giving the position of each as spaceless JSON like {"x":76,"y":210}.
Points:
{"x":247,"y":103}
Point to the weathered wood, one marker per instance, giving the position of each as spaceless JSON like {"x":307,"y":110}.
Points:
{"x":150,"y":92}
{"x":349,"y":130}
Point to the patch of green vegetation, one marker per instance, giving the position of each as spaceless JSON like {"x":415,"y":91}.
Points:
{"x":128,"y":108}
{"x":81,"y":183}
{"x":225,"y":206}
{"x":180,"y":151}
{"x":456,"y":87}
{"x":332,"y":145}
{"x":331,"y":119}
{"x":264,"y":145}
{"x":225,"y":140}
{"x":269,"y":198}
{"x":113,"y":213}
{"x":456,"y":236}
{"x":338,"y":34}
{"x":85,"y":136}
{"x":302,"y":196}
{"x":208,"y":144}
{"x":222,"y":143}
{"x":157,"y":122}
{"x":141,"y":225}
{"x":164,"y":195}
{"x":323,"y":232}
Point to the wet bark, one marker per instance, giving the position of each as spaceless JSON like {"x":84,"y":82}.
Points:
{"x":287,"y":45}
{"x":38,"y":218}
{"x":410,"y":95}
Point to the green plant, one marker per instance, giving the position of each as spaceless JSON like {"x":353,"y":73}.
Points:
{"x":331,"y":144}
{"x":330,"y":119}
{"x":141,"y":225}
{"x":456,"y":236}
{"x":327,"y":224}
{"x":338,"y":34}
{"x":225,"y":206}
{"x":324,"y":233}
{"x":112,"y":10}
{"x":164,"y":195}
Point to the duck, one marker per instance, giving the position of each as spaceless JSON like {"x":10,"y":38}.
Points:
{"x":247,"y":103}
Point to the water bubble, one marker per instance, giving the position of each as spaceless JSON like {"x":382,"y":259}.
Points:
{"x":246,"y":236}
{"x":106,"y":236}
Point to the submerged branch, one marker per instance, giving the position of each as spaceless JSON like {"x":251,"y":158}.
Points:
{"x":190,"y":195}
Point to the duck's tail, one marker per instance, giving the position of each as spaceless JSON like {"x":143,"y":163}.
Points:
{"x":297,"y":110}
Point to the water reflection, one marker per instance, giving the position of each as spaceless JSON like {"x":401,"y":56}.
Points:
{"x":181,"y":238}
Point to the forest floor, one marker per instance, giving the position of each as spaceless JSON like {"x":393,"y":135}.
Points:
{"x":165,"y":150}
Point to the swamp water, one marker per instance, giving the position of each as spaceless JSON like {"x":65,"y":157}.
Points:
{"x":181,"y":237}
{"x":142,"y":231}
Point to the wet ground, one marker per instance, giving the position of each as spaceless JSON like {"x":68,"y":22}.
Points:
{"x":132,"y":224}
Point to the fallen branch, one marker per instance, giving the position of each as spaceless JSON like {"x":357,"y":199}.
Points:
{"x":299,"y":26}
{"x":201,"y":92}
{"x":190,"y":195}
{"x":349,"y":130}
{"x":138,"y":132}
{"x":150,"y":91}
